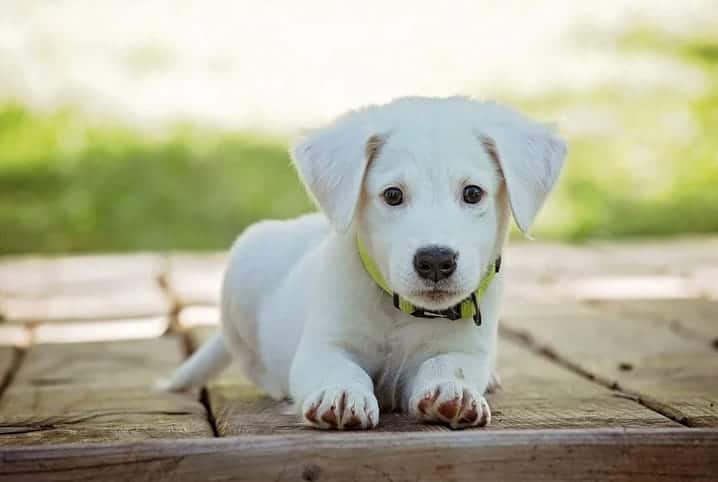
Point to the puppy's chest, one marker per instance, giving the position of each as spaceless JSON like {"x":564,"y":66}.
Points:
{"x":397,"y":357}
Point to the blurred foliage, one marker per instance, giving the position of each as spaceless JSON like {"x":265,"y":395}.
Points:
{"x":642,"y":163}
{"x":646,"y":162}
{"x":66,"y":185}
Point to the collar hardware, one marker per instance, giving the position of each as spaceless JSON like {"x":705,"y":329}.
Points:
{"x":468,"y":308}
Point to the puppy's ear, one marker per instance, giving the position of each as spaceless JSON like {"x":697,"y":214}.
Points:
{"x":332,"y":163}
{"x":530,"y":156}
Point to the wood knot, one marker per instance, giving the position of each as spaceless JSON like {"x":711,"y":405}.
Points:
{"x":311,"y":473}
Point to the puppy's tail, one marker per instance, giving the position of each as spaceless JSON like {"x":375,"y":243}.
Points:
{"x":205,"y":363}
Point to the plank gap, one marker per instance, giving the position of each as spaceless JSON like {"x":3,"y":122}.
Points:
{"x":204,"y":400}
{"x":163,"y":281}
{"x":189,"y":347}
{"x":18,"y":355}
{"x":547,"y":352}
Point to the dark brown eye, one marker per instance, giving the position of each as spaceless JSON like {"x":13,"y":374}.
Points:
{"x":393,"y":196}
{"x":473,"y":194}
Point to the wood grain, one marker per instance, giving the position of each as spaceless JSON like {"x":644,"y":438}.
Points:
{"x":633,"y":455}
{"x":639,"y":354}
{"x":694,"y":318}
{"x":198,"y":315}
{"x":98,"y":392}
{"x":39,"y":276}
{"x":536,"y":394}
{"x":34,"y":289}
{"x":99,"y":329}
{"x":671,"y":269}
{"x":131,"y":299}
{"x":195,"y":279}
{"x":7,"y":357}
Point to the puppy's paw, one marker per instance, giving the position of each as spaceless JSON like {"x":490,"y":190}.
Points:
{"x":451,"y":403}
{"x":341,"y":408}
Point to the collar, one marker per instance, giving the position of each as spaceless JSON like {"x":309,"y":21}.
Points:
{"x":468,"y":308}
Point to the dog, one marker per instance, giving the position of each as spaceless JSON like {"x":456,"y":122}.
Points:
{"x":387,"y":300}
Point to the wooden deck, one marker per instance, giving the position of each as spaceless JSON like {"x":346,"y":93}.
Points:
{"x":609,"y":359}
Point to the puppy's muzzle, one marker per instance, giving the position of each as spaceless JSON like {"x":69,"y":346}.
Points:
{"x":435,"y":262}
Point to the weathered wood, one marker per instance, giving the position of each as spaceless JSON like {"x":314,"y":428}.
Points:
{"x":640,"y":317}
{"x":198,"y":315}
{"x":196,"y":279}
{"x":131,"y":299}
{"x":17,"y":335}
{"x":706,"y":277}
{"x":98,"y":392}
{"x":81,"y":288}
{"x":633,"y":455}
{"x":40,"y":276}
{"x":672,"y":269}
{"x":135,"y":363}
{"x":666,"y":371}
{"x":7,"y":357}
{"x":99,"y":330}
{"x":535,"y":394}
{"x":679,"y":257}
{"x":693,"y":318}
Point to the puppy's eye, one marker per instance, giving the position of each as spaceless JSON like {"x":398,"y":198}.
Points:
{"x":473,"y":194}
{"x":393,"y":196}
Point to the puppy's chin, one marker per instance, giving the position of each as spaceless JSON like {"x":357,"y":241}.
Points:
{"x":436,"y":299}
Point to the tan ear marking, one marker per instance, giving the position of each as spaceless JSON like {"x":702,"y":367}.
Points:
{"x":373,"y":146}
{"x":490,"y":147}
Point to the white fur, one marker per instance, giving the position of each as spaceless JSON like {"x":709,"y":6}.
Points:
{"x":306,"y":321}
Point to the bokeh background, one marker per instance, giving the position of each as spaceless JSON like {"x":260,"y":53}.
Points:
{"x":152,"y":125}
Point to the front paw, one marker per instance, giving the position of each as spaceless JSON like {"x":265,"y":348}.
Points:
{"x":341,"y":408}
{"x":451,"y":403}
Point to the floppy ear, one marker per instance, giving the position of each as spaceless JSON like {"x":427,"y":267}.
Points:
{"x":332,"y":163}
{"x":530,"y":157}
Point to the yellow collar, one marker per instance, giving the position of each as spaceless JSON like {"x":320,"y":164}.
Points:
{"x":468,"y":308}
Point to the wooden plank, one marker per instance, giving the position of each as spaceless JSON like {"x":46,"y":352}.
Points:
{"x":196,"y":279}
{"x":634,"y":455}
{"x":7,"y":358}
{"x":34,"y":289}
{"x":99,"y":330}
{"x":706,"y":277}
{"x":669,"y":269}
{"x":132,"y":299}
{"x":15,"y":335}
{"x":670,"y":373}
{"x":98,"y":392}
{"x":124,"y":363}
{"x":39,"y":276}
{"x":679,"y":257}
{"x":695,"y":318}
{"x":198,"y":315}
{"x":535,"y":394}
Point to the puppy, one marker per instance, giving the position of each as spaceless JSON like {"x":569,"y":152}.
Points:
{"x":389,"y":299}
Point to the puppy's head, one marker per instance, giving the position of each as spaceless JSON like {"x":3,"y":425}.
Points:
{"x":427,"y":184}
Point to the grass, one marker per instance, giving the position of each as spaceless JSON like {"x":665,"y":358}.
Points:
{"x":68,"y":186}
{"x":648,"y":167}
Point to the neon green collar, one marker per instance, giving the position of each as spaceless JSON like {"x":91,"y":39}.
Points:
{"x":468,"y":308}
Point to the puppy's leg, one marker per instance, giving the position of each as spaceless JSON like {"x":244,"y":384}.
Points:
{"x":448,"y":389}
{"x":333,"y":391}
{"x":205,"y":363}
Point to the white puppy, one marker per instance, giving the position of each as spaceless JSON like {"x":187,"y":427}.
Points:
{"x":389,"y":299}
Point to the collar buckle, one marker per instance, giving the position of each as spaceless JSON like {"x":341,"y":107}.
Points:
{"x":453,"y":313}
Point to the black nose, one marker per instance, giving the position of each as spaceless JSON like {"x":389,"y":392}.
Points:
{"x":435,"y":262}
